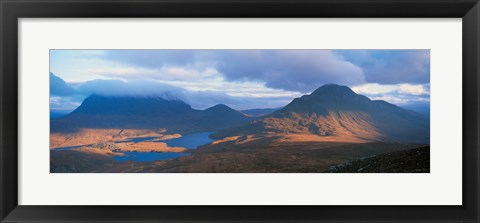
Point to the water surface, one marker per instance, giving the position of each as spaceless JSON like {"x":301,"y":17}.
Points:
{"x":148,"y":156}
{"x":189,"y":141}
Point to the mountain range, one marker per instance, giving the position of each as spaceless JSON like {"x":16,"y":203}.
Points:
{"x":331,"y":110}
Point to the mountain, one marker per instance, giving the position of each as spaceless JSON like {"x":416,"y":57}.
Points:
{"x":221,"y":116}
{"x":59,"y":87}
{"x":421,"y":108}
{"x":257,"y":112}
{"x":222,"y":109}
{"x":334,"y":110}
{"x":58,"y":113}
{"x":127,"y":105}
{"x":98,"y":112}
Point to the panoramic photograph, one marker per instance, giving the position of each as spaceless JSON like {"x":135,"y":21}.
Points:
{"x":239,"y":111}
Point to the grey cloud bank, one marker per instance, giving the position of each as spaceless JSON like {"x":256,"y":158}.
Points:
{"x":293,"y":70}
{"x":391,"y":66}
{"x":299,"y":70}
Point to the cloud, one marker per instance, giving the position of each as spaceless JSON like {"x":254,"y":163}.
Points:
{"x":205,"y":99}
{"x":141,"y":88}
{"x":391,"y":66}
{"x":153,"y":59}
{"x":240,"y":78}
{"x":64,"y":103}
{"x":240,"y":89}
{"x":130,"y":88}
{"x":417,"y":89}
{"x":196,"y":98}
{"x":166,"y":73}
{"x":376,"y":89}
{"x":293,"y":70}
{"x":397,"y":94}
{"x":401,"y":99}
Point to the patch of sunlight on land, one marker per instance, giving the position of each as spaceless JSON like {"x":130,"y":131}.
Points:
{"x":91,"y":136}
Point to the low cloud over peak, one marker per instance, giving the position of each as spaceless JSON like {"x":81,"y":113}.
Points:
{"x":77,"y":92}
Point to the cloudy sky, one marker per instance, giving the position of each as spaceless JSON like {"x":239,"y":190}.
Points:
{"x":241,"y":79}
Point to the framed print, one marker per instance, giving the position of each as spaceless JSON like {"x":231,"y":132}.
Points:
{"x":239,"y":111}
{"x":158,"y":120}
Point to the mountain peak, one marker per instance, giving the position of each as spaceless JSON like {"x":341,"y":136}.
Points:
{"x":333,"y":89}
{"x":220,"y":108}
{"x":130,"y":105}
{"x":328,"y":97}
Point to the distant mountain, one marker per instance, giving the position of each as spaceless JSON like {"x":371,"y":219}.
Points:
{"x":259,"y":111}
{"x":98,"y":111}
{"x":221,"y":116}
{"x":221,"y":109}
{"x":58,"y":113}
{"x":334,"y":110}
{"x":421,"y":108}
{"x":59,"y":87}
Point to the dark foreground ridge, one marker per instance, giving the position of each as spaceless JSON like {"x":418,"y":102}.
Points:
{"x":408,"y":161}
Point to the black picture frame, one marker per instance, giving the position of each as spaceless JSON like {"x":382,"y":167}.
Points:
{"x":11,"y":11}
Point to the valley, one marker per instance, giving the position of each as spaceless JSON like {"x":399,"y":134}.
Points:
{"x":248,"y":154}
